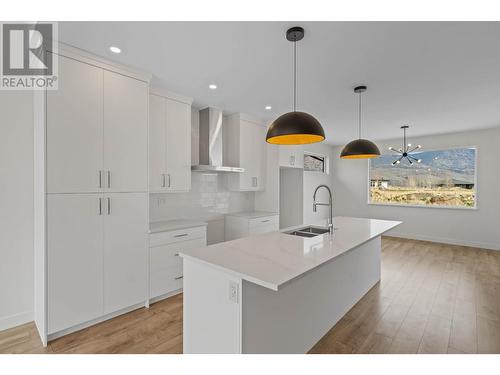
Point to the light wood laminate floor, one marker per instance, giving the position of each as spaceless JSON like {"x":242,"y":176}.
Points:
{"x":433,"y":298}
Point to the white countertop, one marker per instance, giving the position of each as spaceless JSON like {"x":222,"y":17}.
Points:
{"x":253,"y":214}
{"x":168,"y":225}
{"x":274,"y":259}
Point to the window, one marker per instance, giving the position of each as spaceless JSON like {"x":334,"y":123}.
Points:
{"x":443,"y":178}
{"x":315,"y":163}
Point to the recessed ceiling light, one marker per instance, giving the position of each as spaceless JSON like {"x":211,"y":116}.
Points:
{"x":115,"y":49}
{"x":212,"y":86}
{"x":268,"y":107}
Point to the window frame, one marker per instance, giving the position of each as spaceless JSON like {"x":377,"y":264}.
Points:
{"x":326,"y":162}
{"x":476,"y":186}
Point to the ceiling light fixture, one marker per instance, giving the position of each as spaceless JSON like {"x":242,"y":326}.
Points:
{"x":295,"y":128}
{"x":405,"y":150}
{"x":212,"y":86}
{"x":268,"y":107}
{"x":360,"y":148}
{"x":115,"y":49}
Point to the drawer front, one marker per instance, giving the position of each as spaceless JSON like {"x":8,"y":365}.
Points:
{"x":179,"y":235}
{"x":265,"y":220}
{"x":166,"y":266}
{"x":265,"y":228}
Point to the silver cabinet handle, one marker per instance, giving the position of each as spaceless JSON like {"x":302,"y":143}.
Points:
{"x":109,"y":178}
{"x":176,"y":254}
{"x":178,"y":277}
{"x":264,"y":221}
{"x":108,"y":199}
{"x":163,"y":182}
{"x":100,"y":206}
{"x":292,"y":160}
{"x":168,"y":174}
{"x":100,"y":179}
{"x":181,"y":235}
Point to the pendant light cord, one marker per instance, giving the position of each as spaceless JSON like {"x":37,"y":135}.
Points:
{"x":294,"y":75}
{"x":359,"y":117}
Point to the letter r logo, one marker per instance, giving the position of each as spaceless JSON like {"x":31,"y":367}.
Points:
{"x":24,"y":48}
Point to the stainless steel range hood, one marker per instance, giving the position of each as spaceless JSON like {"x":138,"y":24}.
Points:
{"x":211,"y":145}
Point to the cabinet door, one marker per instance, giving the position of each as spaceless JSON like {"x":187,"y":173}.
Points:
{"x":125,"y":250}
{"x":75,"y":259}
{"x":74,"y":129}
{"x":178,"y":141}
{"x":157,"y":142}
{"x":125,"y":133}
{"x":260,"y":155}
{"x":166,"y":266}
{"x":248,"y":155}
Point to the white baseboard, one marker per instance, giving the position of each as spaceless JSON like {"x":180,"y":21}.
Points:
{"x":451,"y":241}
{"x":78,"y":327}
{"x":7,"y":322}
{"x":165,"y":296}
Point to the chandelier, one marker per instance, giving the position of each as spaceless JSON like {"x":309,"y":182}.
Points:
{"x":404,"y":152}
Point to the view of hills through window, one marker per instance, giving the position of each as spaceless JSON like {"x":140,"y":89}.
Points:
{"x":442,"y":178}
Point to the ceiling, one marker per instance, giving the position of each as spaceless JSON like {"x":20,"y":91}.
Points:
{"x":437,"y":77}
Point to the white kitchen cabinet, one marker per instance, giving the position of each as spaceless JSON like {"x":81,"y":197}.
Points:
{"x":169,"y":142}
{"x":291,"y":156}
{"x":246,"y":148}
{"x":245,"y":224}
{"x":91,"y":226}
{"x":125,"y":133}
{"x":74,"y":129}
{"x":165,"y":265}
{"x":125,"y":254}
{"x":75,"y":259}
{"x":157,"y":143}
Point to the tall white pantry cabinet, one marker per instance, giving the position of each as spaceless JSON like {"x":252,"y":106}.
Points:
{"x":91,"y":194}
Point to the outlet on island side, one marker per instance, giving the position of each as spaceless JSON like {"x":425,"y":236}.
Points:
{"x":234,"y":291}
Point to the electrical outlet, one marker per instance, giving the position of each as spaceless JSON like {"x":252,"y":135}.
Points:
{"x":234,"y":291}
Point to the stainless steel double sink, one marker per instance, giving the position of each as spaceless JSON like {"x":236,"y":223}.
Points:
{"x":309,"y":231}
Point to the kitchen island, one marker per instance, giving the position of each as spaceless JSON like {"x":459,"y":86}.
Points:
{"x":278,"y":292}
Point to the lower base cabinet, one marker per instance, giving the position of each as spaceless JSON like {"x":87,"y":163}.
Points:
{"x":97,"y":256}
{"x":75,"y":235}
{"x":165,"y":265}
{"x":125,"y":251}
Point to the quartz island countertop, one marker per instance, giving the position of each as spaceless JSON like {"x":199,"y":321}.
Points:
{"x":273,"y":259}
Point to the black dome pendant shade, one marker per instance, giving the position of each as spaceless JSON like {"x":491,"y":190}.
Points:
{"x":360,"y":148}
{"x":295,"y":128}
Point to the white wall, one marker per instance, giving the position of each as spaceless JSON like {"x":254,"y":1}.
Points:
{"x":291,"y":193}
{"x":467,"y":227}
{"x":16,"y":208}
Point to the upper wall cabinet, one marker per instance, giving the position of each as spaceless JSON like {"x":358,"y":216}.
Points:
{"x":169,"y":142}
{"x":96,"y":131}
{"x":125,"y":133}
{"x":245,"y":146}
{"x":75,"y":129}
{"x":291,"y":156}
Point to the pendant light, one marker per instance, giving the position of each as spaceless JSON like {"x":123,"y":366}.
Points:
{"x":405,"y":150}
{"x":295,"y":128}
{"x":360,"y":148}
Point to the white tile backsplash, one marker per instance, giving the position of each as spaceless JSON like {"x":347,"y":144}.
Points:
{"x":208,"y":200}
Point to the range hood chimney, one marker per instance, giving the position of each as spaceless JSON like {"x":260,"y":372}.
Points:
{"x":211,"y":146}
